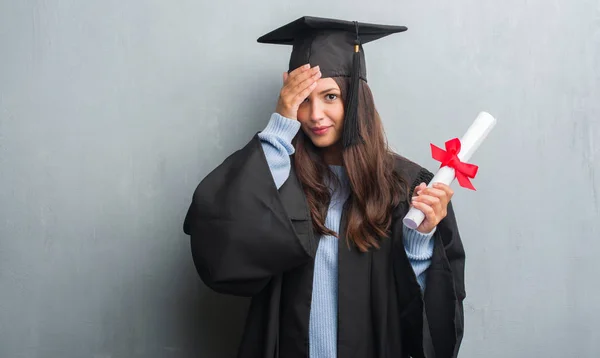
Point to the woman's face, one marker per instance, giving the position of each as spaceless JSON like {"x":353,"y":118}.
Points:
{"x":322,"y":114}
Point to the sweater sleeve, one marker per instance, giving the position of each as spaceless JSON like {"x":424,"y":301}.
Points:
{"x":419,"y":250}
{"x":276,"y":141}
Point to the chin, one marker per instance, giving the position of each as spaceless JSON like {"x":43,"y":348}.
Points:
{"x":321,"y":142}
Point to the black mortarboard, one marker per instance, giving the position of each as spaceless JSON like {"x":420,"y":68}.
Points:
{"x":336,"y":47}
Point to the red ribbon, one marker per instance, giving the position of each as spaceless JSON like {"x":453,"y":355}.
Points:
{"x":449,"y":158}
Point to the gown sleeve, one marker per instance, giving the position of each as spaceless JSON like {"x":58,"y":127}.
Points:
{"x":434,"y":317}
{"x":445,"y":291}
{"x":449,"y":281}
{"x":243,"y":230}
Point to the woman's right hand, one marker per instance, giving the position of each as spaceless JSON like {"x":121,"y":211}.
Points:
{"x":297,"y":85}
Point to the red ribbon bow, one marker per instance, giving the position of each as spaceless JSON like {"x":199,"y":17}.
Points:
{"x":449,"y":158}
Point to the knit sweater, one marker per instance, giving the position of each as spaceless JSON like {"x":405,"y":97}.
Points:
{"x":276,"y":141}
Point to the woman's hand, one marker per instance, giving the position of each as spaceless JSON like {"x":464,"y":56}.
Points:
{"x":433,"y":202}
{"x":296,"y":87}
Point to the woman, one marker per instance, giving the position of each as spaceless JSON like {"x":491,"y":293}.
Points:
{"x":307,"y":219}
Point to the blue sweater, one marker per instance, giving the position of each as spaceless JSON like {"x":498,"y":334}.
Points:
{"x":276,"y":140}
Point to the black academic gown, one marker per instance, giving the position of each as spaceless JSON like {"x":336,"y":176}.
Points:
{"x":250,"y":239}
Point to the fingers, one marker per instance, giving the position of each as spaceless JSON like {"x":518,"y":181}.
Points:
{"x":305,"y":93}
{"x":419,"y":188}
{"x":433,"y":202}
{"x":427,"y":210}
{"x":311,"y":81}
{"x":295,"y":79}
{"x":428,"y":199}
{"x":288,"y":76}
{"x":297,"y":86}
{"x":300,"y":69}
{"x":439,"y":190}
{"x":445,"y":188}
{"x":434,"y":192}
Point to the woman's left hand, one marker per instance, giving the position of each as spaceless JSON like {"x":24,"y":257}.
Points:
{"x":433,"y":202}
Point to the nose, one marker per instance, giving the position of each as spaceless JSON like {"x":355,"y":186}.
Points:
{"x":316,"y":111}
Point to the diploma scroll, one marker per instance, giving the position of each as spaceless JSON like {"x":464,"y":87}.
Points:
{"x":470,"y":141}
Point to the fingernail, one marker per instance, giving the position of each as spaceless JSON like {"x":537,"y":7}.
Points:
{"x":307,"y":66}
{"x":318,"y":68}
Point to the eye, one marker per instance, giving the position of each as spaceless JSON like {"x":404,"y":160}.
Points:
{"x":331,"y":97}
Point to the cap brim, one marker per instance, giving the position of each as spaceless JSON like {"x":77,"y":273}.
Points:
{"x":287,"y":34}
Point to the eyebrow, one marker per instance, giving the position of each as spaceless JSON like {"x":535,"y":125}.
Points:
{"x":329,"y":90}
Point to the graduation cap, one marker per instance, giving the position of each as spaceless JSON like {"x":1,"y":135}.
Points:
{"x":336,"y":46}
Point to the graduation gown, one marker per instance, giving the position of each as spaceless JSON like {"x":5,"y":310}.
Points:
{"x":250,"y":239}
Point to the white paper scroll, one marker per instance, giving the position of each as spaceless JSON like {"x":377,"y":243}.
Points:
{"x":476,"y":133}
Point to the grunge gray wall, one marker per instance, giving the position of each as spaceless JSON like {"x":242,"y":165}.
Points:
{"x":112,"y":111}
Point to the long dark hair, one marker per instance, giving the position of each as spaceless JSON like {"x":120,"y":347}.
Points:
{"x":376,"y":188}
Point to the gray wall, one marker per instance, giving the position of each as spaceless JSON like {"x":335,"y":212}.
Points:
{"x":112,"y":111}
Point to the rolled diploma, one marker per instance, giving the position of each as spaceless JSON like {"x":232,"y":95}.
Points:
{"x":476,"y":133}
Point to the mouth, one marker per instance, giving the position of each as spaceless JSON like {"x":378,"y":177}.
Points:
{"x":320,"y":130}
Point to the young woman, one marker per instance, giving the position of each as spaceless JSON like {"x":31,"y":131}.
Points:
{"x":307,"y":219}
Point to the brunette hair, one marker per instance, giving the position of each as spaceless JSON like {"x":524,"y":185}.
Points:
{"x":376,"y":188}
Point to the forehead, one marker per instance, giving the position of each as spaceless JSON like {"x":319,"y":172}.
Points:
{"x":324,"y":84}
